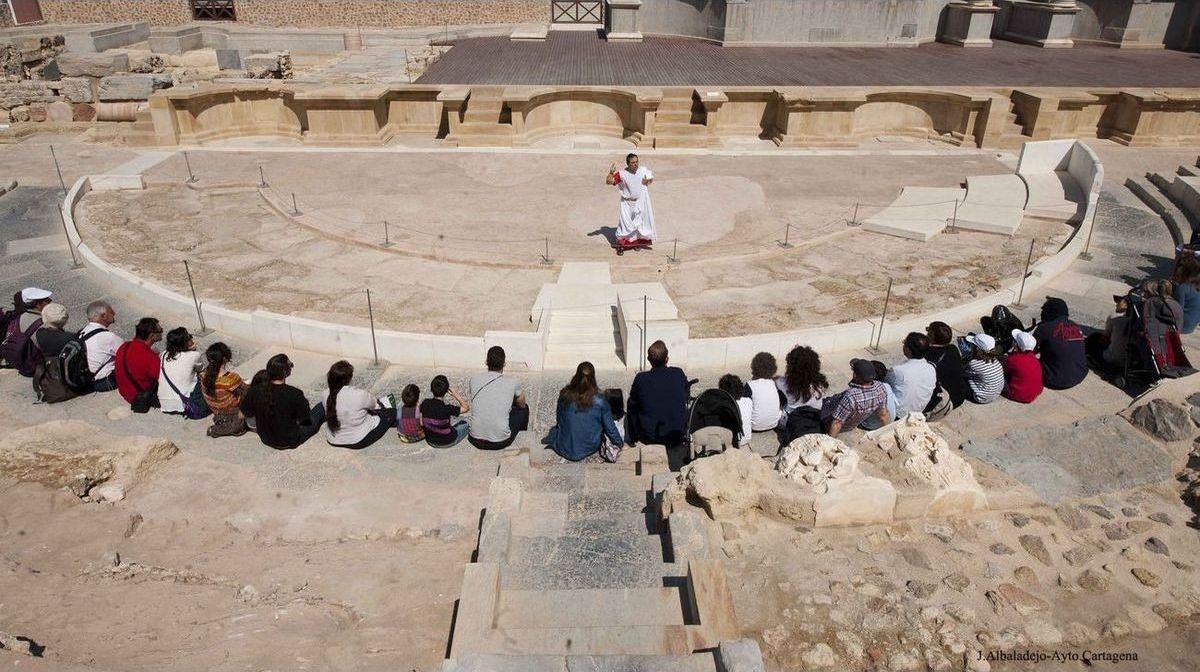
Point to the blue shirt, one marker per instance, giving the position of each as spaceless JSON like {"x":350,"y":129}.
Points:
{"x":578,"y":433}
{"x":1189,"y":297}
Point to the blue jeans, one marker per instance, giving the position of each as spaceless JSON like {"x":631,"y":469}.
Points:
{"x":460,"y":432}
{"x":105,"y":384}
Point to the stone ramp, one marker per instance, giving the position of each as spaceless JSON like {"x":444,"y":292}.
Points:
{"x":994,"y":204}
{"x":919,"y":213}
{"x":575,"y":570}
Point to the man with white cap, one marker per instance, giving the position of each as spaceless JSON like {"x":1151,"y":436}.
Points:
{"x":1022,"y":370}
{"x":34,"y":299}
{"x":985,"y":375}
{"x":18,"y":349}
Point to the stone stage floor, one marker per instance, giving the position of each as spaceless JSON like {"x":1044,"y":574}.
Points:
{"x":580,"y":58}
{"x":468,"y":231}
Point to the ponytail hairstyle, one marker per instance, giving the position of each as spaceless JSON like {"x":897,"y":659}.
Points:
{"x":338,"y":377}
{"x":582,"y":389}
{"x":218,"y":354}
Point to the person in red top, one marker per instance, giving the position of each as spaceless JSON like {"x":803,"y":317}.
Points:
{"x":1022,"y":369}
{"x":137,"y":358}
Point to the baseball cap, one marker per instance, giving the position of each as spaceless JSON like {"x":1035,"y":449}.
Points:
{"x":1023,"y":340}
{"x":32,"y":294}
{"x":982,"y":341}
{"x":863,"y":369}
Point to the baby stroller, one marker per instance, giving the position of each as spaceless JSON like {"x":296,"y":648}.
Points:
{"x":713,"y":409}
{"x":1155,"y":350}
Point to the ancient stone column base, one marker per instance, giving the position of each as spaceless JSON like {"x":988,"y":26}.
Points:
{"x":624,"y":25}
{"x":969,"y":24}
{"x":1046,"y":24}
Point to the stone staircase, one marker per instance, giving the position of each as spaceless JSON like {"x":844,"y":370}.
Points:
{"x":577,"y":570}
{"x":1173,"y":196}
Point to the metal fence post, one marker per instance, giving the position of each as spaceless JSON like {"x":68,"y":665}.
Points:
{"x":191,"y":177}
{"x":70,"y":245}
{"x":195,"y":301}
{"x":58,"y":170}
{"x":883,"y":316}
{"x":1025,"y":275}
{"x":371,"y":316}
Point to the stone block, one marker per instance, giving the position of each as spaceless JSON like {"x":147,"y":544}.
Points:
{"x":83,"y":112}
{"x":19,"y":113}
{"x":60,"y":112}
{"x":91,"y":65}
{"x":37,"y":112}
{"x":740,"y":655}
{"x":133,"y":86}
{"x":50,"y":71}
{"x":504,"y":494}
{"x":229,"y":59}
{"x":689,"y":536}
{"x":494,"y":535}
{"x":13,"y":94}
{"x":75,"y":89}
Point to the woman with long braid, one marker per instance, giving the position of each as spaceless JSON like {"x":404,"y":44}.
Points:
{"x":353,"y":418}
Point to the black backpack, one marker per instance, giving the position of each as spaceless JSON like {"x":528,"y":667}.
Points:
{"x":1001,"y":326}
{"x":59,"y":378}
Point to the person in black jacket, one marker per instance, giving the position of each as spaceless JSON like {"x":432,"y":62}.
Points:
{"x":658,"y":401}
{"x":1061,"y":346}
{"x":282,"y":415}
{"x":951,"y":376}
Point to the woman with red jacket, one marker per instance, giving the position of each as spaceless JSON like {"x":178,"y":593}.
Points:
{"x":1022,"y":370}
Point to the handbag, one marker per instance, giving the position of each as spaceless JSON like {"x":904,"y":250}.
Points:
{"x":227,"y":424}
{"x":609,"y":451}
{"x":143,"y":400}
{"x":191,"y":410}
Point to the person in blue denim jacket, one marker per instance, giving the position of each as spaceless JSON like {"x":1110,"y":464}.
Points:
{"x":583,"y":417}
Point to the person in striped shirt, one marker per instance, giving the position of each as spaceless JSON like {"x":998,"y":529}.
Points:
{"x":985,"y":373}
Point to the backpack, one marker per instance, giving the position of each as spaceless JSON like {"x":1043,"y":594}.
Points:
{"x":18,"y":348}
{"x":64,"y":376}
{"x":75,"y":365}
{"x":1001,"y":327}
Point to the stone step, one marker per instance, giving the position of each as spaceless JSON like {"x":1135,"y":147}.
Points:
{"x":590,"y":608}
{"x":596,"y":544}
{"x":605,"y":358}
{"x":590,"y":502}
{"x":493,"y":662}
{"x":572,"y":575}
{"x":627,"y":640}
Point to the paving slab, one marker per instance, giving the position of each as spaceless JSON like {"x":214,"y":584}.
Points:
{"x":994,"y":204}
{"x":1084,"y":459}
{"x":918,"y":213}
{"x":1054,"y":195}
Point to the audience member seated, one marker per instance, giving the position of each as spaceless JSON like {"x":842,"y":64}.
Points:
{"x":985,"y":374}
{"x":1060,"y":344}
{"x":582,"y":417}
{"x":1022,"y":370}
{"x":952,"y":388}
{"x":102,"y":345}
{"x":1108,"y":349}
{"x":179,"y":390}
{"x":658,"y":401}
{"x":863,"y":397}
{"x":17,"y":349}
{"x":282,"y":416}
{"x":63,"y":372}
{"x":409,"y":422}
{"x":1165,"y":290}
{"x":223,"y":390}
{"x":499,"y":406}
{"x":7,"y":316}
{"x":437,"y":417}
{"x":913,"y":380}
{"x":354,"y":419}
{"x":732,"y":385}
{"x":872,"y":422}
{"x":763,"y":394}
{"x":258,"y":380}
{"x":803,"y":387}
{"x":1187,"y":290}
{"x":137,"y":365}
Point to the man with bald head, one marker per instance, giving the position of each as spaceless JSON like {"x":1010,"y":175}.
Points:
{"x":658,"y":401}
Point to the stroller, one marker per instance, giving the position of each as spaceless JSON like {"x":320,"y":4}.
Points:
{"x":713,"y":409}
{"x":1155,"y":350}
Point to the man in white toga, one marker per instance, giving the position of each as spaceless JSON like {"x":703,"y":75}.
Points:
{"x":636,"y":225}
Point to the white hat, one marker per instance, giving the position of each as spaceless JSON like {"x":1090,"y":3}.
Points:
{"x":1024,"y":340}
{"x":982,"y":341}
{"x":32,"y":294}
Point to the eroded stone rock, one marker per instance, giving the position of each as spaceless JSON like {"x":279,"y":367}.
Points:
{"x":930,"y":459}
{"x":1024,"y":602}
{"x":1164,"y":420}
{"x":1034,"y":546}
{"x":75,"y":455}
{"x":1156,"y":545}
{"x":1094,"y":581}
{"x":1146,"y":577}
